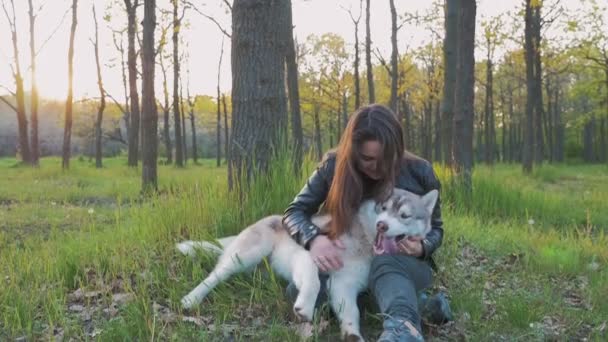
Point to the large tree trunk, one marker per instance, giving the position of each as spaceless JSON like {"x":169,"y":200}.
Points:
{"x":394,"y":57}
{"x":35,"y":147}
{"x":368,"y":56}
{"x":294,"y":94}
{"x":465,"y":96}
{"x":449,"y":77}
{"x":259,"y":101}
{"x":149,"y":110}
{"x":177,"y":123}
{"x":67,"y":132}
{"x":529,"y":143}
{"x":133,"y":153}
{"x":102,"y":99}
{"x":228,"y":142}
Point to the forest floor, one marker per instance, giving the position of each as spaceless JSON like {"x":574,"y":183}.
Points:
{"x":83,"y":256}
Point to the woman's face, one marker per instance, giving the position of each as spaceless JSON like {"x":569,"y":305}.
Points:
{"x":369,"y":159}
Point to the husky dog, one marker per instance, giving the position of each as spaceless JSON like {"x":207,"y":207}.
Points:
{"x":375,"y":230}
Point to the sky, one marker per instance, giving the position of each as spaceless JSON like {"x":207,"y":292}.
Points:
{"x":203,"y":39}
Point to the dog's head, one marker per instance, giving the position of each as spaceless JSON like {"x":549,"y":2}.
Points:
{"x":403,"y":215}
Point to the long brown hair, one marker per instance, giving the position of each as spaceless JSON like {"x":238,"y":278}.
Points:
{"x":369,"y":123}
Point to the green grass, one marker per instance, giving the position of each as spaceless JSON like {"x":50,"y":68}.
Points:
{"x":89,"y":229}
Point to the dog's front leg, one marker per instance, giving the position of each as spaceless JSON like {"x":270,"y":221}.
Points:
{"x":343,"y":299}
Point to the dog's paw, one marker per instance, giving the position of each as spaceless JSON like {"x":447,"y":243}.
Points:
{"x":304,"y":312}
{"x":188,"y":303}
{"x":353,"y":338}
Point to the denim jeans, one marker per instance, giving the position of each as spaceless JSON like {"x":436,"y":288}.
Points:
{"x":395,"y":281}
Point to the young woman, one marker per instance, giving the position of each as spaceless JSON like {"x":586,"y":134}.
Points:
{"x":369,"y":162}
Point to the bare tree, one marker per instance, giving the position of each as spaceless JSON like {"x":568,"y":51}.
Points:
{"x":368,"y":56}
{"x":35,"y":152}
{"x":357,"y":60}
{"x":149,"y":109}
{"x":177,"y":124}
{"x":166,"y":106}
{"x":102,"y":101}
{"x":394,"y":57}
{"x":19,"y":91}
{"x":133,"y":154}
{"x":67,"y":132}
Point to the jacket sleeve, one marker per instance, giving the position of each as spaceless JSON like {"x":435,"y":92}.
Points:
{"x":297,"y":216}
{"x":435,"y":237}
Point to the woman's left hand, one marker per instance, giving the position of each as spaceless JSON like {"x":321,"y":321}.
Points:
{"x":411,"y":246}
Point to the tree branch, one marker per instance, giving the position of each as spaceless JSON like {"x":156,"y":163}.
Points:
{"x":8,"y":103}
{"x":210,"y":18}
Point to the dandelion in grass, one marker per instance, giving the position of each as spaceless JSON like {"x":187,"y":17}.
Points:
{"x":91,"y":211}
{"x":531,"y":222}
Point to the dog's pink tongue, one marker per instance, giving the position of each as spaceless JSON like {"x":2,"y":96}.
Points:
{"x":384,"y":245}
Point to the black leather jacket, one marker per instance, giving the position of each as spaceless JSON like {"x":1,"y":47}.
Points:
{"x":416,"y":175}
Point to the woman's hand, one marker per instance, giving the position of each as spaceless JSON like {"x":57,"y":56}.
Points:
{"x":326,"y":253}
{"x":411,"y":246}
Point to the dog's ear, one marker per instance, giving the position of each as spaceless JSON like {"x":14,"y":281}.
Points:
{"x":430,"y":199}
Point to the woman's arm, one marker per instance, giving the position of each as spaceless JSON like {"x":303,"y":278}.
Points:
{"x":434,"y":238}
{"x":297,"y":216}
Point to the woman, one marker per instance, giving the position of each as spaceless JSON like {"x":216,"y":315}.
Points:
{"x":370,"y":161}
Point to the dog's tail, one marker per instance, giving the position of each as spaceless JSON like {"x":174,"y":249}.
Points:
{"x":190,"y":248}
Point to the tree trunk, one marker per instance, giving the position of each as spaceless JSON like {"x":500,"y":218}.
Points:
{"x":538,"y":90}
{"x":149,"y":110}
{"x":177,"y":123}
{"x":294,"y":94}
{"x":407,"y":124}
{"x":449,"y":77}
{"x":133,"y":153}
{"x":218,"y":152}
{"x":438,"y":139}
{"x":102,"y":99}
{"x":166,"y":112}
{"x":488,"y":125}
{"x":67,"y":132}
{"x":465,"y":96}
{"x":226,"y":131}
{"x":258,"y":85}
{"x":549,"y":129}
{"x":588,"y":132}
{"x":357,"y":62}
{"x":394,"y":57}
{"x":193,"y":129}
{"x":368,"y":56}
{"x":529,"y":141}
{"x":35,"y":146}
{"x":228,"y":142}
{"x":182,"y":114}
{"x":318,"y":140}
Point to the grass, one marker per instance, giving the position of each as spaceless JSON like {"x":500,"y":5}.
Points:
{"x":89,"y":230}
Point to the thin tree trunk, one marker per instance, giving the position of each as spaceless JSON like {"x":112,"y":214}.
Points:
{"x":438,"y":139}
{"x":449,"y":77}
{"x":228,"y":142}
{"x":489,"y":146}
{"x":294,"y":95}
{"x":177,"y":122}
{"x":394,"y":57}
{"x":149,"y":109}
{"x":368,"y":56}
{"x":218,"y":152}
{"x":226,"y":130}
{"x":166,"y":112}
{"x":193,"y":129}
{"x":102,"y":101}
{"x":538,"y":90}
{"x":465,"y":96}
{"x":67,"y":132}
{"x":318,"y":140}
{"x":133,"y":154}
{"x":529,"y":141}
{"x":35,"y":146}
{"x":183,"y":117}
{"x":357,"y":59}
